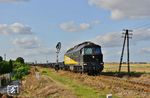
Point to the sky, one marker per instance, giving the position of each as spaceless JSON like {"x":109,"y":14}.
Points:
{"x":32,"y":28}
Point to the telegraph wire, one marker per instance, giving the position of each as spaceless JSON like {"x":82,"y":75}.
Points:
{"x":141,"y":27}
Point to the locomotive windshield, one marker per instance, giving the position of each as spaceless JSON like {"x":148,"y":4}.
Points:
{"x":88,"y":51}
{"x":92,"y":51}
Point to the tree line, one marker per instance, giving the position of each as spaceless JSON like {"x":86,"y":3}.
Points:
{"x":17,"y":67}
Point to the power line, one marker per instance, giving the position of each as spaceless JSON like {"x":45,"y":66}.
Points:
{"x":141,"y":26}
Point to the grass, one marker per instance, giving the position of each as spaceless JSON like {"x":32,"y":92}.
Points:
{"x":82,"y":91}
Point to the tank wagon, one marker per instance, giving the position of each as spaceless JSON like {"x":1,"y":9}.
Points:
{"x":86,"y":57}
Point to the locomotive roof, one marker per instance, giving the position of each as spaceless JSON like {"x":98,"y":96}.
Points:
{"x":80,"y":46}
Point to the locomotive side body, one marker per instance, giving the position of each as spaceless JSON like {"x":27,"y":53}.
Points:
{"x":85,"y":57}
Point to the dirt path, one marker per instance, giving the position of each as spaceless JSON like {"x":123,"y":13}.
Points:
{"x":80,"y":90}
{"x":52,"y":85}
{"x":44,"y":87}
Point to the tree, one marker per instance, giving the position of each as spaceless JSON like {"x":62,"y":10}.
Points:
{"x":4,"y":67}
{"x":11,"y":65}
{"x":1,"y":58}
{"x":20,"y":59}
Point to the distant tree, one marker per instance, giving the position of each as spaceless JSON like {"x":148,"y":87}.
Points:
{"x":11,"y":65}
{"x":20,"y":59}
{"x":4,"y":67}
{"x":1,"y":58}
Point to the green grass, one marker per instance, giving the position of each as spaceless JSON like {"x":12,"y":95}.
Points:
{"x":82,"y":91}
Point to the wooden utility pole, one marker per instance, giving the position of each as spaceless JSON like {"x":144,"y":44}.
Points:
{"x":126,"y":38}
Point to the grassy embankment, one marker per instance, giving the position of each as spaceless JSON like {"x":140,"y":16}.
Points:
{"x":82,"y":91}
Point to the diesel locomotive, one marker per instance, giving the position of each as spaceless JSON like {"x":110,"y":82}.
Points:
{"x":86,"y":57}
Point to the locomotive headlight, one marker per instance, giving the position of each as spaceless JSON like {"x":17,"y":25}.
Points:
{"x":84,"y":64}
{"x":102,"y":63}
{"x":93,"y":56}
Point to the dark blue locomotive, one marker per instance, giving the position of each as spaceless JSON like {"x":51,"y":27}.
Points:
{"x":86,"y":57}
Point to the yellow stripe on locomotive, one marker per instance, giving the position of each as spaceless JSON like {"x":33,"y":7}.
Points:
{"x":69,"y":61}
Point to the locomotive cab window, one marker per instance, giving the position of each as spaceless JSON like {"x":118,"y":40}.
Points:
{"x":88,"y":51}
{"x":91,"y":51}
{"x":97,"y":50}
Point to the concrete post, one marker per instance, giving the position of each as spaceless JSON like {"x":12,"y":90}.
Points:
{"x":109,"y":96}
{"x":37,"y":75}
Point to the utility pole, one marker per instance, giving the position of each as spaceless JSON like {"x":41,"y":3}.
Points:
{"x":47,"y":61}
{"x":5,"y":57}
{"x":126,"y":38}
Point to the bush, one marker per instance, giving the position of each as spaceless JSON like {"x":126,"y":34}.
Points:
{"x":11,"y":65}
{"x":5,"y":67}
{"x":18,"y":68}
{"x":3,"y":81}
{"x":20,"y":71}
{"x":1,"y":59}
{"x":20,"y":59}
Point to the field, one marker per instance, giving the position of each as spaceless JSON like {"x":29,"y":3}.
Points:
{"x":113,"y":67}
{"x":65,"y":84}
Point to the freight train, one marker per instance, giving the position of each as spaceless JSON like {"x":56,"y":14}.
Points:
{"x":86,"y":57}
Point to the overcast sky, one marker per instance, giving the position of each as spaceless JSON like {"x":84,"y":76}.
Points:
{"x":32,"y":28}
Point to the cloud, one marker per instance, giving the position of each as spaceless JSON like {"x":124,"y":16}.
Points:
{"x":145,"y":50}
{"x":71,"y":26}
{"x":40,"y":50}
{"x":26,"y":43}
{"x":30,"y":46}
{"x":115,"y":40}
{"x":15,"y":28}
{"x":12,"y":1}
{"x":40,"y":53}
{"x":108,"y":40}
{"x":120,"y":9}
{"x":46,"y":51}
{"x":94,"y":22}
{"x":141,"y":34}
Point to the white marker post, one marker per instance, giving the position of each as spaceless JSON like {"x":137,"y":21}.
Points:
{"x":37,"y":75}
{"x":109,"y":96}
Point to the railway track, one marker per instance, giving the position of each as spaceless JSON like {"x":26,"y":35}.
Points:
{"x":127,"y":84}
